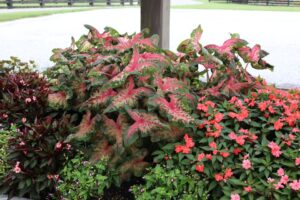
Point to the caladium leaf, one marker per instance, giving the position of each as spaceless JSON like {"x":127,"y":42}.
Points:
{"x":128,"y":96}
{"x":142,"y":122}
{"x":196,"y":36}
{"x":116,"y":128}
{"x":102,"y":150}
{"x":168,"y":84}
{"x":227,"y":47}
{"x":137,"y":63}
{"x":86,"y":126}
{"x":174,"y":109}
{"x":58,"y":99}
{"x":100,"y":98}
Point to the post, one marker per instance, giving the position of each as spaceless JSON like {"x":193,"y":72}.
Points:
{"x":122,"y":2}
{"x":91,"y":2}
{"x":131,"y":2}
{"x":42,"y":3}
{"x":70,"y":2}
{"x":108,"y":2}
{"x":9,"y":3}
{"x":156,"y":16}
{"x":288,"y":2}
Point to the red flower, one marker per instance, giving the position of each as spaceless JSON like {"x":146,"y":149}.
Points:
{"x":200,"y":168}
{"x":225,"y":154}
{"x":219,"y":117}
{"x":248,"y":189}
{"x":208,"y":156}
{"x":278,"y":125}
{"x":218,"y":177}
{"x":297,"y":161}
{"x":189,"y":141}
{"x":228,"y":173}
{"x":236,"y":151}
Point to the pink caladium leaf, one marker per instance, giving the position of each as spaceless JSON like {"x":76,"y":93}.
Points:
{"x":137,"y":63}
{"x":142,"y":122}
{"x":250,"y":55}
{"x":86,"y":126}
{"x":174,"y":109}
{"x":129,"y":95}
{"x":168,"y":84}
{"x":125,"y":43}
{"x":101,"y":97}
{"x":227,"y":47}
{"x":196,"y":36}
{"x":102,"y":150}
{"x":58,"y":99}
{"x":115,"y":128}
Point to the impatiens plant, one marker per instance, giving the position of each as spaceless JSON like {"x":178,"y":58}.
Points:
{"x":245,"y":147}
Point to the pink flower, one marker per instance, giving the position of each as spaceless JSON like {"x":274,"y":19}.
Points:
{"x":17,"y":168}
{"x":284,"y":179}
{"x":240,"y":140}
{"x":235,"y":197}
{"x":278,"y":186}
{"x":246,"y":164}
{"x":68,"y":146}
{"x":248,"y":189}
{"x":295,"y":185}
{"x":280,"y":172}
{"x":213,"y":145}
{"x":34,"y":98}
{"x":58,"y":145}
{"x":297,"y":161}
{"x":201,"y":156}
{"x":275,"y":149}
{"x":27,"y":100}
{"x":232,"y":136}
{"x":270,"y":180}
{"x":24,"y":120}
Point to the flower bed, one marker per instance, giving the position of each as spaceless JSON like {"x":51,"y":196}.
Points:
{"x":136,"y":110}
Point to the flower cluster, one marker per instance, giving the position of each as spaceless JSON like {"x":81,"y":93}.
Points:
{"x":240,"y":143}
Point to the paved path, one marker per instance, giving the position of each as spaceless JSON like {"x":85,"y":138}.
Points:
{"x":277,"y":32}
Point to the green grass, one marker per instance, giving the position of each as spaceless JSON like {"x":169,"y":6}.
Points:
{"x":20,"y":15}
{"x":230,"y":6}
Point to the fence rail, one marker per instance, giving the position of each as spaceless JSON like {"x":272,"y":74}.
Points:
{"x":53,"y":3}
{"x":262,"y":2}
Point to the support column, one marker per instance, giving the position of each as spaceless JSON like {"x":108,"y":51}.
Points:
{"x":155,"y":15}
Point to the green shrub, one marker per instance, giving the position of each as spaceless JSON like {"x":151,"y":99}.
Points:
{"x":166,"y":183}
{"x":4,"y":137}
{"x":81,"y":179}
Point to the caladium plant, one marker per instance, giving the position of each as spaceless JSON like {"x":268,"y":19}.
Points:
{"x":126,"y":90}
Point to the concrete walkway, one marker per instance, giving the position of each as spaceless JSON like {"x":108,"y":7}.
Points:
{"x":277,"y":32}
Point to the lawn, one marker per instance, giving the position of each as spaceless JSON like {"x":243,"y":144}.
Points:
{"x":20,"y":15}
{"x":228,"y":6}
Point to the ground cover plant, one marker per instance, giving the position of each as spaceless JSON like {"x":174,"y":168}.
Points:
{"x":143,"y":110}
